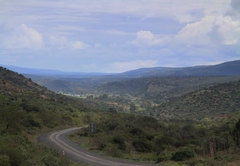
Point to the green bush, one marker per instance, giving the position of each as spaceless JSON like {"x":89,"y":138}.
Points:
{"x":35,"y":123}
{"x":16,"y":156}
{"x":51,"y":161}
{"x":120,"y":141}
{"x":182,"y":155}
{"x":113,"y":150}
{"x":164,"y":156}
{"x":5,"y":160}
{"x":32,"y":108}
{"x":141,"y":146}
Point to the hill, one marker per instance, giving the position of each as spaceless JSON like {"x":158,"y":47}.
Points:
{"x":85,"y":83}
{"x":68,"y":84}
{"x":217,"y":101}
{"x":224,"y":69}
{"x":12,"y":82}
{"x":27,"y":110}
{"x":160,"y":89}
{"x":49,"y":72}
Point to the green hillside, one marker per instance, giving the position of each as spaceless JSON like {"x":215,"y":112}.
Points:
{"x":213,"y":102}
{"x":186,"y":130}
{"x":134,"y":82}
{"x":161,"y":89}
{"x":27,"y":110}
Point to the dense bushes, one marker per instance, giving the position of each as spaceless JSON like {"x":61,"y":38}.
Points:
{"x":182,"y":155}
{"x":5,"y":160}
{"x":16,"y":150}
{"x":141,"y":145}
{"x":120,"y":141}
{"x":144,"y":138}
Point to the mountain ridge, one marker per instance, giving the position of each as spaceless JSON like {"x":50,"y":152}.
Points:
{"x":229,"y":68}
{"x":222,"y":69}
{"x":49,"y":72}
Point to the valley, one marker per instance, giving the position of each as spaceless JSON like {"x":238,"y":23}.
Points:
{"x":166,"y":116}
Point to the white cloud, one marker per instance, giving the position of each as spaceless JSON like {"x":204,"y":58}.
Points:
{"x":228,"y":30}
{"x":115,"y":32}
{"x":58,"y":42}
{"x":64,"y":43}
{"x":196,"y":33}
{"x":125,"y":66}
{"x":77,"y":45}
{"x":210,"y":30}
{"x":175,"y":32}
{"x":182,"y":11}
{"x":147,"y":38}
{"x":22,"y":37}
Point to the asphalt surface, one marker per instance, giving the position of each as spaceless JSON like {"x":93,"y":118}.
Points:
{"x":58,"y":141}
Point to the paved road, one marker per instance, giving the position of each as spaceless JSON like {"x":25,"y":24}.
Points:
{"x":58,"y":141}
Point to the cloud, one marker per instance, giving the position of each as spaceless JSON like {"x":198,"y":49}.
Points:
{"x":64,"y":43}
{"x":125,"y":66}
{"x":122,"y":33}
{"x":183,"y":11}
{"x":196,"y":33}
{"x":147,"y":38}
{"x":165,"y":31}
{"x":77,"y":45}
{"x":209,"y":31}
{"x":23,"y":37}
{"x":58,"y":42}
{"x":227,"y":31}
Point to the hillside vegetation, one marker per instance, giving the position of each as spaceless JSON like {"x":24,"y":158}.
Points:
{"x":198,"y":128}
{"x":161,"y":89}
{"x":27,"y":110}
{"x":143,"y":138}
{"x":193,"y":120}
{"x":213,"y":102}
{"x":138,"y":79}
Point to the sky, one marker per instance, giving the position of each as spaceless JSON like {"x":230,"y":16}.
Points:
{"x":118,"y":35}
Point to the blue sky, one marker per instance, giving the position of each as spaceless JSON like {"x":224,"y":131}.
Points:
{"x":119,"y":35}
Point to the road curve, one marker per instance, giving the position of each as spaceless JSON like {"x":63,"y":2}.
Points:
{"x":58,"y":141}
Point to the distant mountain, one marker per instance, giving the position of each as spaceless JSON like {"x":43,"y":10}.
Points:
{"x":144,"y":71}
{"x":49,"y":72}
{"x":79,"y":83}
{"x":225,"y":69}
{"x":164,"y":83}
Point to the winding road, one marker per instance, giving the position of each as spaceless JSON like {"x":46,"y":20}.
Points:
{"x":58,"y":141}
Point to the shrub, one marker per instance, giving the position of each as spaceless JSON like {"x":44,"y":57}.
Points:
{"x":182,"y":155}
{"x":141,"y":146}
{"x":34,"y":123}
{"x":5,"y":160}
{"x":32,"y":108}
{"x":113,"y":150}
{"x":164,"y":156}
{"x":120,"y":141}
{"x":51,"y":161}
